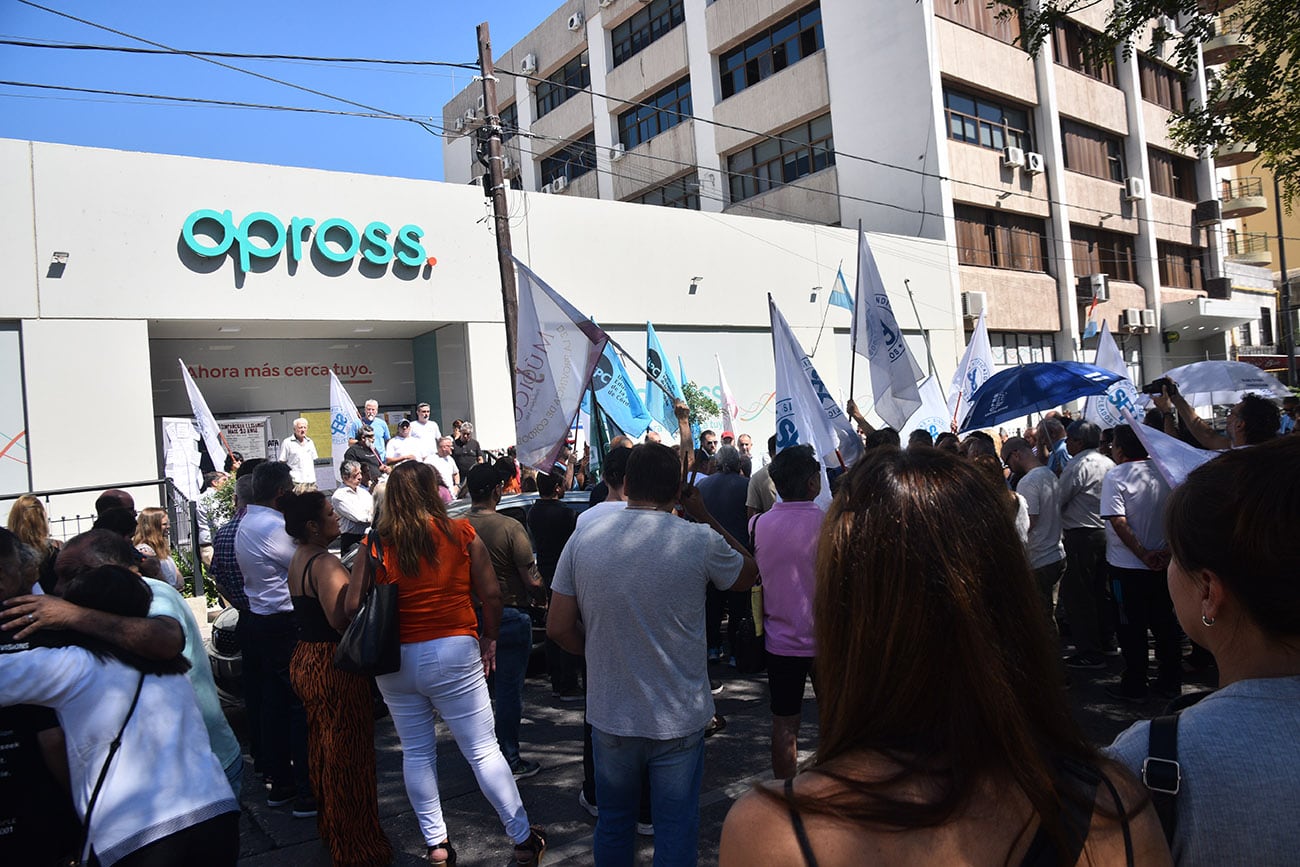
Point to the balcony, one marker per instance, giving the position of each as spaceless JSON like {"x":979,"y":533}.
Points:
{"x":1243,"y":197}
{"x":1224,"y":46}
{"x":1235,"y":154}
{"x":1249,"y":248}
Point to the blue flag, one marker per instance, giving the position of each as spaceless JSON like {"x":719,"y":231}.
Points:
{"x":840,"y":296}
{"x":618,"y":399}
{"x":695,"y":426}
{"x":659,"y":403}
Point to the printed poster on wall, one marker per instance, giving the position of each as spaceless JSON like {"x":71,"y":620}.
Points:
{"x":246,"y":435}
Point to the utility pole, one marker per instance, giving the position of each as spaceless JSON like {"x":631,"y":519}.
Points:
{"x":500,"y":211}
{"x":1285,"y":331}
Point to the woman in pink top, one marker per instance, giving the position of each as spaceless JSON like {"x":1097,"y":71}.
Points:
{"x":784,"y":540}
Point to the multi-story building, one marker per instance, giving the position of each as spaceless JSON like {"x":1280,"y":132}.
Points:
{"x":1051,"y":179}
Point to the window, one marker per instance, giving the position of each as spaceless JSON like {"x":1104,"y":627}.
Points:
{"x":1172,"y":175}
{"x":793,"y":153}
{"x":1000,"y":240}
{"x":664,"y":110}
{"x":1162,"y":84}
{"x":563,"y":83}
{"x":982,"y":16}
{"x":772,"y":50}
{"x":1180,"y":266}
{"x":1012,"y":348}
{"x":1080,"y":49}
{"x":1100,"y":252}
{"x":984,"y":122}
{"x":1092,"y":151}
{"x":509,"y":122}
{"x":681,"y":193}
{"x":571,"y":161}
{"x":645,"y":27}
{"x":1265,"y":326}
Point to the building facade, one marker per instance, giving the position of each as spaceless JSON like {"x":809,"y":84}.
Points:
{"x":1049,"y":181}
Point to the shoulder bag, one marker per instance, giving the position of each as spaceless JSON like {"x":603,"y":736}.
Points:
{"x":372,"y":644}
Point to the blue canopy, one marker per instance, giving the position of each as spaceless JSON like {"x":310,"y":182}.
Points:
{"x":1021,"y":390}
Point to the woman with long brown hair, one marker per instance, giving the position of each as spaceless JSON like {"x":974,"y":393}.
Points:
{"x":436,"y":563}
{"x":340,"y":716}
{"x":945,"y":734}
{"x":29,"y":521}
{"x":152,"y":538}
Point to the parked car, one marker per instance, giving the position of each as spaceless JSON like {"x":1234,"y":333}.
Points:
{"x":223,"y":647}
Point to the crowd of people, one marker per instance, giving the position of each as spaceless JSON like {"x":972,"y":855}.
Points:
{"x":937,"y":608}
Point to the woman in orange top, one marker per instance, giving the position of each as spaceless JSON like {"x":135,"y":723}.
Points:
{"x":434,"y":560}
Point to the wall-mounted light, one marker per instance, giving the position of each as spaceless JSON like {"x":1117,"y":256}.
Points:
{"x":695,"y":284}
{"x":58,"y":262}
{"x":812,"y":294}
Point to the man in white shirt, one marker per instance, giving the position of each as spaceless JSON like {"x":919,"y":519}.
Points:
{"x":403,"y":447}
{"x":442,"y":461}
{"x":299,"y":452}
{"x":353,"y":504}
{"x":424,"y":428}
{"x":1133,"y":503}
{"x":268,"y":635}
{"x":1039,"y":488}
{"x":1083,"y":590}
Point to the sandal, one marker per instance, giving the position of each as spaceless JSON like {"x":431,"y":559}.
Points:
{"x":447,"y":860}
{"x":529,"y":852}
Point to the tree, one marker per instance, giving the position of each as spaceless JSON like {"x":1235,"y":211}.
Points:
{"x":702,"y":406}
{"x":1256,"y":97}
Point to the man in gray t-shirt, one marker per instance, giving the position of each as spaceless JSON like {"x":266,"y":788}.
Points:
{"x":629,"y":594}
{"x":1039,"y":488}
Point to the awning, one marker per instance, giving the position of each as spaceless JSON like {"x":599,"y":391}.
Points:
{"x":1196,"y":318}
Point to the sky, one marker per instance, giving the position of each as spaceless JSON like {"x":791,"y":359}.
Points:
{"x":428,"y":30}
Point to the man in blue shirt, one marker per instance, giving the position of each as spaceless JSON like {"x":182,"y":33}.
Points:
{"x":370,"y":416}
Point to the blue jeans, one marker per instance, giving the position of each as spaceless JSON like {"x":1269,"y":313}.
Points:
{"x":676,"y":770}
{"x":514,"y":645}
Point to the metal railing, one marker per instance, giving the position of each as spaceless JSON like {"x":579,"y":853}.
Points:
{"x":1238,"y":188}
{"x":1247,"y":243}
{"x":182,"y":512}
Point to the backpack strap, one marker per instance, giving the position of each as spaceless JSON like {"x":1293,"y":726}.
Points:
{"x":1161,"y":772}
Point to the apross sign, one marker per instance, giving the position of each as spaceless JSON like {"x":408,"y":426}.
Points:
{"x":336,"y":239}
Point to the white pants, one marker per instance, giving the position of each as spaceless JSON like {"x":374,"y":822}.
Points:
{"x":446,"y":675}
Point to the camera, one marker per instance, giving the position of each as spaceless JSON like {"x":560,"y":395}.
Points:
{"x":1164,"y":383}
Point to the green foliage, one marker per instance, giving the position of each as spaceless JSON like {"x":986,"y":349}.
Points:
{"x":702,"y":406}
{"x":223,"y":508}
{"x":1256,"y":97}
{"x":184,"y":560}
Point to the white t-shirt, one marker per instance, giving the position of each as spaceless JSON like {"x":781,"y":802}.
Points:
{"x":446,"y":468}
{"x":593,"y":513}
{"x":404,"y":446}
{"x":301,"y":458}
{"x":1136,"y":492}
{"x":1040,"y":489}
{"x":1022,"y":519}
{"x":427,"y":431}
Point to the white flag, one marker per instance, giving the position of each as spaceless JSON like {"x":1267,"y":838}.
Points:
{"x":1174,"y":458}
{"x":1106,"y":409}
{"x":976,"y":366}
{"x":343,"y":420}
{"x":557,"y":353}
{"x":933,"y":416}
{"x":730,"y":409}
{"x":806,"y":413}
{"x":203,"y":419}
{"x":894,"y":373}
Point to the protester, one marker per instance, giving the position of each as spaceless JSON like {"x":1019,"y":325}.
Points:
{"x":340,"y":718}
{"x":404,"y":446}
{"x":551,"y":523}
{"x":1052,"y":447}
{"x":423,"y":427}
{"x":153,"y":539}
{"x":299,"y":452}
{"x":761,"y":493}
{"x":724,"y":492}
{"x":1232,"y":579}
{"x":1083,"y":587}
{"x":29,"y":521}
{"x":168,"y":801}
{"x":785,"y":549}
{"x":466,"y":451}
{"x":363,"y":452}
{"x":234,"y":460}
{"x":945,"y":737}
{"x":920,"y":439}
{"x":1012,"y":502}
{"x":435,"y":562}
{"x":642,"y":631}
{"x":354,"y":505}
{"x":1251,"y":421}
{"x":442,"y":461}
{"x":370,"y":418}
{"x":948,"y":441}
{"x":1039,"y":489}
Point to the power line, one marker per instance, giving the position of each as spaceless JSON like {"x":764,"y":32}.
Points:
{"x":229,"y":55}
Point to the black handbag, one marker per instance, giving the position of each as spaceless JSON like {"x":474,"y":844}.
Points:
{"x":372,"y":644}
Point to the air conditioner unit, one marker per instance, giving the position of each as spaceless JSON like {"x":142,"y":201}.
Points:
{"x":548,"y":188}
{"x":576,"y":21}
{"x":1130,"y":319}
{"x":973,"y":304}
{"x":471,"y":116}
{"x":1148,"y":318}
{"x":460,"y":124}
{"x":1093,"y":287}
{"x":529,"y":64}
{"x":1013,"y":157}
{"x":1164,"y":22}
{"x":1208,"y":212}
{"x":617,"y":151}
{"x":508,"y":166}
{"x":560,"y":184}
{"x":1219,"y":288}
{"x":1134,"y":189}
{"x":1034,"y":164}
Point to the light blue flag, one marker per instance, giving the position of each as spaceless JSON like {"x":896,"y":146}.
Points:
{"x":840,"y":295}
{"x":659,"y":403}
{"x":695,"y":426}
{"x":618,"y":399}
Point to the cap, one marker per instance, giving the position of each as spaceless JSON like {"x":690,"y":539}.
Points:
{"x":406,"y":422}
{"x":482,"y":478}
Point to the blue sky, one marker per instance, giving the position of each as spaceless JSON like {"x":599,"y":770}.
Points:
{"x":428,"y":30}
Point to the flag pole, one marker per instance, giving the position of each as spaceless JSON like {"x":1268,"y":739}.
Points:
{"x":818,"y":342}
{"x":649,"y":377}
{"x":853,"y":331}
{"x":925,"y":335}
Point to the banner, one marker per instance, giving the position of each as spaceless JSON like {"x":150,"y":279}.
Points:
{"x":1106,"y":409}
{"x":730,"y":409}
{"x":247,"y":436}
{"x":203,"y":419}
{"x":976,"y":365}
{"x":659,"y":398}
{"x":1174,"y":458}
{"x":619,"y":401}
{"x":181,"y":456}
{"x":933,"y":416}
{"x":894,"y":373}
{"x":343,"y":419}
{"x":557,"y":353}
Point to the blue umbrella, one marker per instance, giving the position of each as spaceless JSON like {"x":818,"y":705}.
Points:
{"x":1029,"y":387}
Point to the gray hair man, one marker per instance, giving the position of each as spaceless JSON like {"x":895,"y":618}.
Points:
{"x":1083,"y":587}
